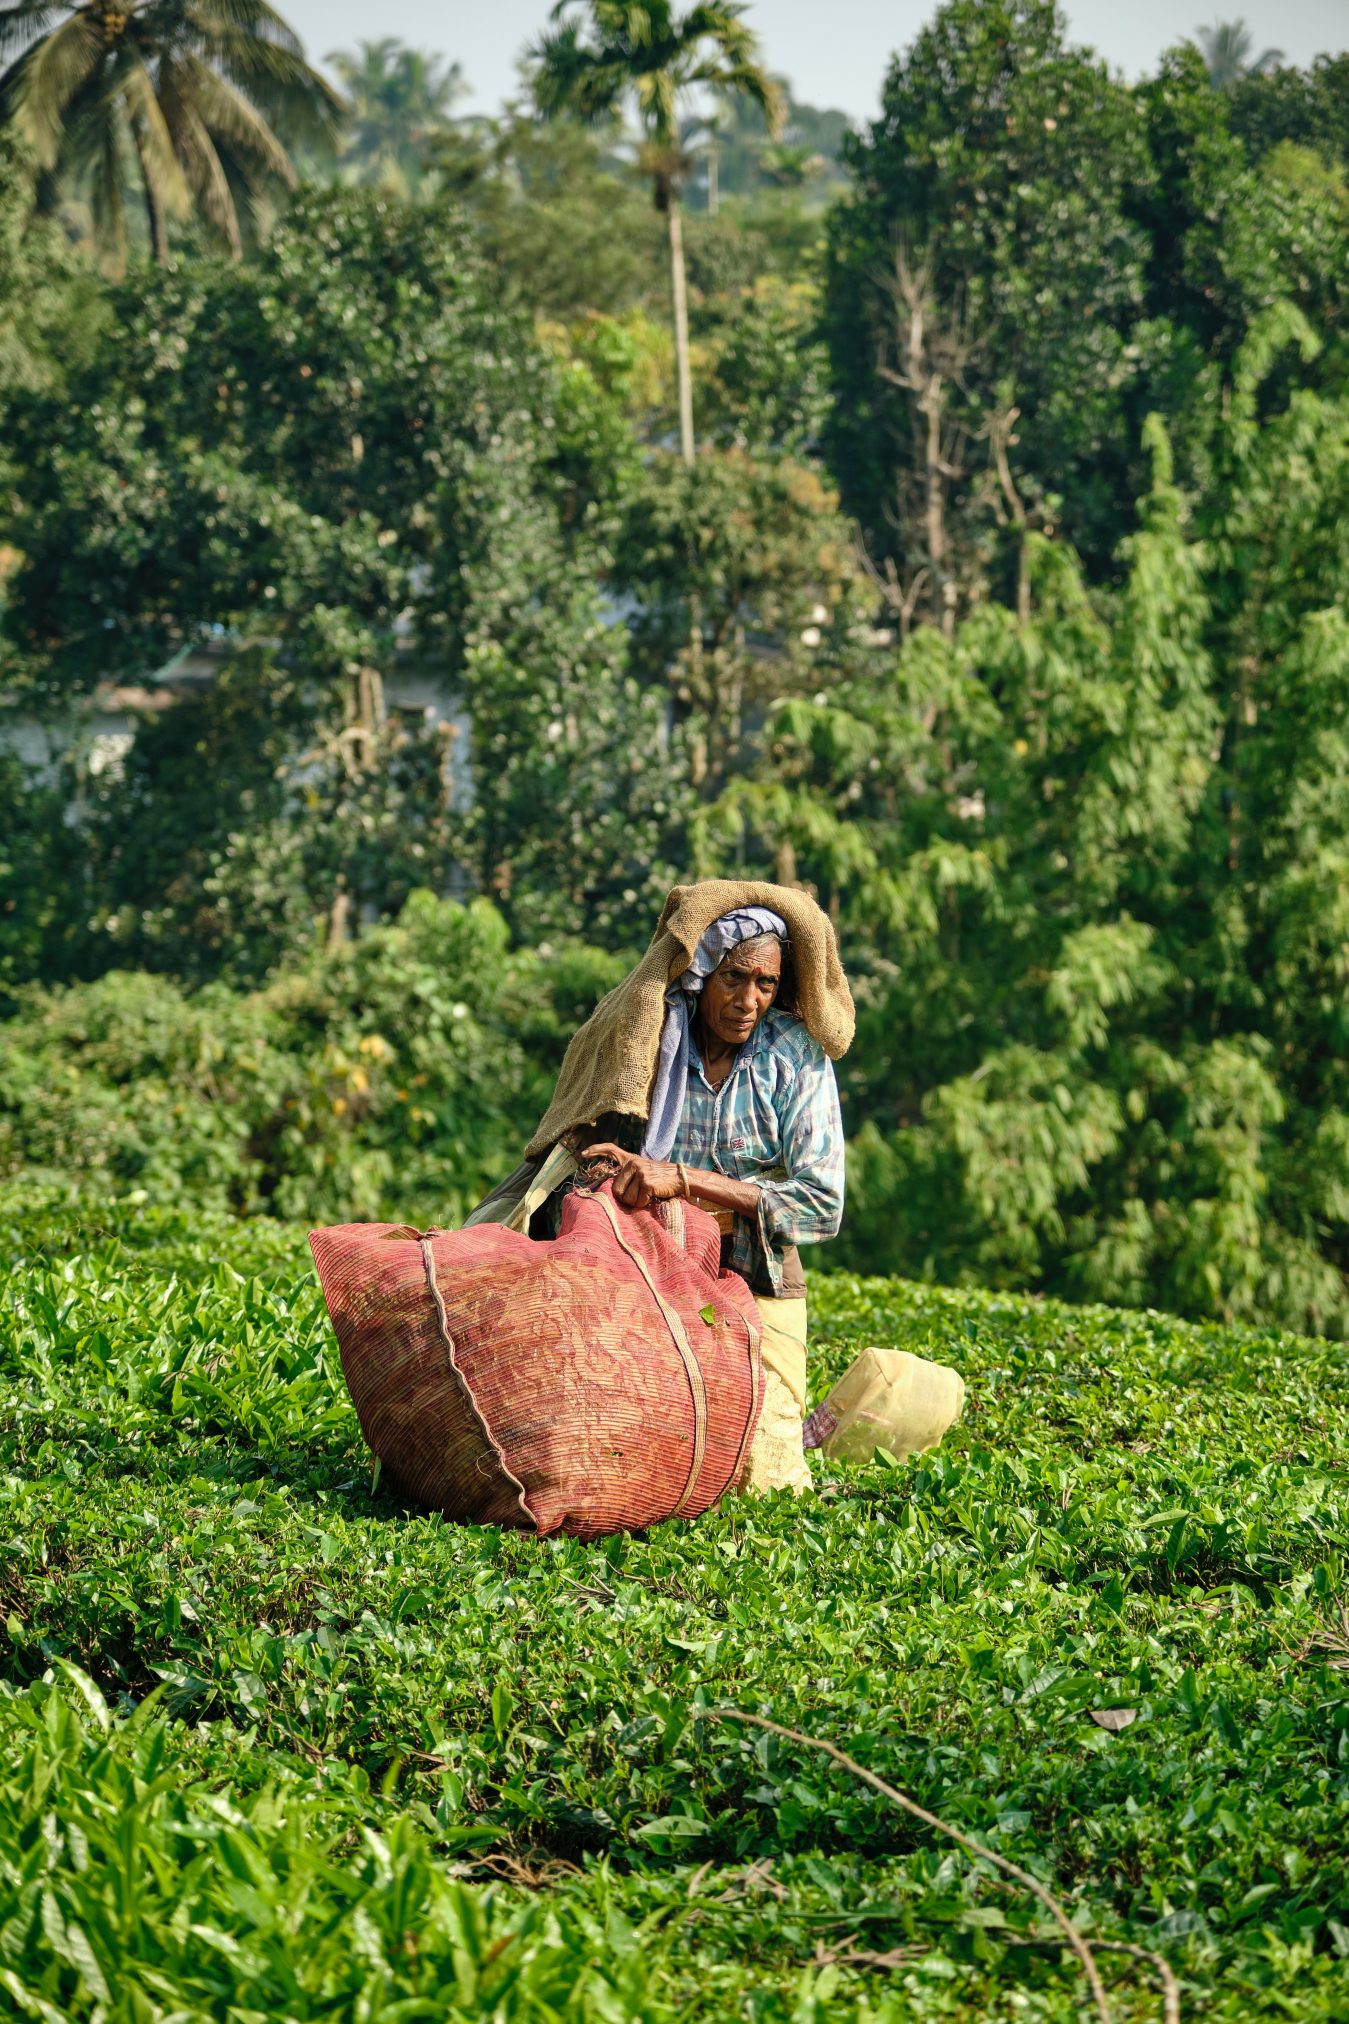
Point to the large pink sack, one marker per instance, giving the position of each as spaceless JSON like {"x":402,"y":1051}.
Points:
{"x":594,"y":1384}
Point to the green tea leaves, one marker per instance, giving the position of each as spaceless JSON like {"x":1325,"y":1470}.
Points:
{"x":673,"y":1827}
{"x":248,"y":1700}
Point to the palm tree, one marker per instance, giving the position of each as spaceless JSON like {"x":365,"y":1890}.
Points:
{"x":397,"y":99}
{"x":642,"y":52}
{"x":789,"y":167}
{"x":1226,"y":49}
{"x":188,"y":96}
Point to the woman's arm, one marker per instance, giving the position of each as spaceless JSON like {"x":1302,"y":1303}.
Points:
{"x":639,"y":1182}
{"x":806,"y":1204}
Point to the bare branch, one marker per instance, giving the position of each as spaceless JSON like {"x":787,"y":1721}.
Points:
{"x":963,"y":1840}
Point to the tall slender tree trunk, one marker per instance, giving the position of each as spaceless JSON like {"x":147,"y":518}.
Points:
{"x":159,"y":231}
{"x":681,"y":329}
{"x":699,"y":757}
{"x":936,"y":507}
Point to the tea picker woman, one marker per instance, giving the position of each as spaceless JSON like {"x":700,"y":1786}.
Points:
{"x":707,"y":1074}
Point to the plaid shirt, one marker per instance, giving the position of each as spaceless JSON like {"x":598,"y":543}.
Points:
{"x":774,"y":1121}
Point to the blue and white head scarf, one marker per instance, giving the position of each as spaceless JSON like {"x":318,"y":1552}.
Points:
{"x":742,"y":924}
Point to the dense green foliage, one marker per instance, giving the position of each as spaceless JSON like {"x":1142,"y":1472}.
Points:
{"x":1094,"y":877}
{"x":397,"y":1073}
{"x":1052,"y":711}
{"x":349,"y":459}
{"x":1001,"y":173}
{"x":50,"y":307}
{"x":1309,"y":107}
{"x":1079,"y":254}
{"x":1003,"y":604}
{"x":308,"y":1727}
{"x":398,"y":100}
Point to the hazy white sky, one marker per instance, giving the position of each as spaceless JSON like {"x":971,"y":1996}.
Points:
{"x":834,"y":51}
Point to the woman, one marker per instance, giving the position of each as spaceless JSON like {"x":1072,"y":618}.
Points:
{"x":707,"y":1074}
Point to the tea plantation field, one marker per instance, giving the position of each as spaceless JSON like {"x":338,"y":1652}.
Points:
{"x":273,"y":1747}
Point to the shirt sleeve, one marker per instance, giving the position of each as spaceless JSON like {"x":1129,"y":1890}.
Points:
{"x":806,"y":1204}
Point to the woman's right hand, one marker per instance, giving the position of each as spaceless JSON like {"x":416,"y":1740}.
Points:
{"x":637,"y":1182}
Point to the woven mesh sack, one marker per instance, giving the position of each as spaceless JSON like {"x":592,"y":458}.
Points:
{"x":574,"y":1386}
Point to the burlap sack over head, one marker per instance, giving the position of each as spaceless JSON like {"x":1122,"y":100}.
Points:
{"x":611,"y":1061}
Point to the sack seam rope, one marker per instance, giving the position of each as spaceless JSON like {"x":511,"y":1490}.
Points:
{"x":671,"y":1214}
{"x":697,"y":1389}
{"x":433,"y":1287}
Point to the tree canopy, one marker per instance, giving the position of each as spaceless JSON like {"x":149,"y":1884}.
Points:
{"x":398,"y":102}
{"x":614,"y":54}
{"x":1229,"y":54}
{"x":196,"y":93}
{"x":1001,"y":601}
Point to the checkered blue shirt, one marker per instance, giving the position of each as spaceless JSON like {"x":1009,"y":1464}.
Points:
{"x":774,"y":1121}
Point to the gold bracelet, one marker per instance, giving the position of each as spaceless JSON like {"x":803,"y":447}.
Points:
{"x":684,"y":1181}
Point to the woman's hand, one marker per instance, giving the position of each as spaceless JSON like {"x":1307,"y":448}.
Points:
{"x":638,"y":1182}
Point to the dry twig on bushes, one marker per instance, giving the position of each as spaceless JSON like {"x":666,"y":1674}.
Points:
{"x":902,"y":1800}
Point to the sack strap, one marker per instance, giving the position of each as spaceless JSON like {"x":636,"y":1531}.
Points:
{"x":681,"y":1342}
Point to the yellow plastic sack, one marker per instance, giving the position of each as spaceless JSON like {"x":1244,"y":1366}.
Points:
{"x":887,"y":1398}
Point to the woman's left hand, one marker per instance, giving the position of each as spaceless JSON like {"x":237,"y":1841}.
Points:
{"x":638,"y":1182}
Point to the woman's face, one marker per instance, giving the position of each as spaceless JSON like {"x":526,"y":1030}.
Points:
{"x":739,"y":992}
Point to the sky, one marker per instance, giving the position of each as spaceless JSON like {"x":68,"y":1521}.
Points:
{"x":834,"y":52}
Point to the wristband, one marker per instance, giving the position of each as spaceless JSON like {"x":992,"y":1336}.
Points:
{"x":684,"y":1187}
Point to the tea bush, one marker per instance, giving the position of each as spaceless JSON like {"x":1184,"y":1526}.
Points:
{"x":349,"y":1086}
{"x":273,"y":1746}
